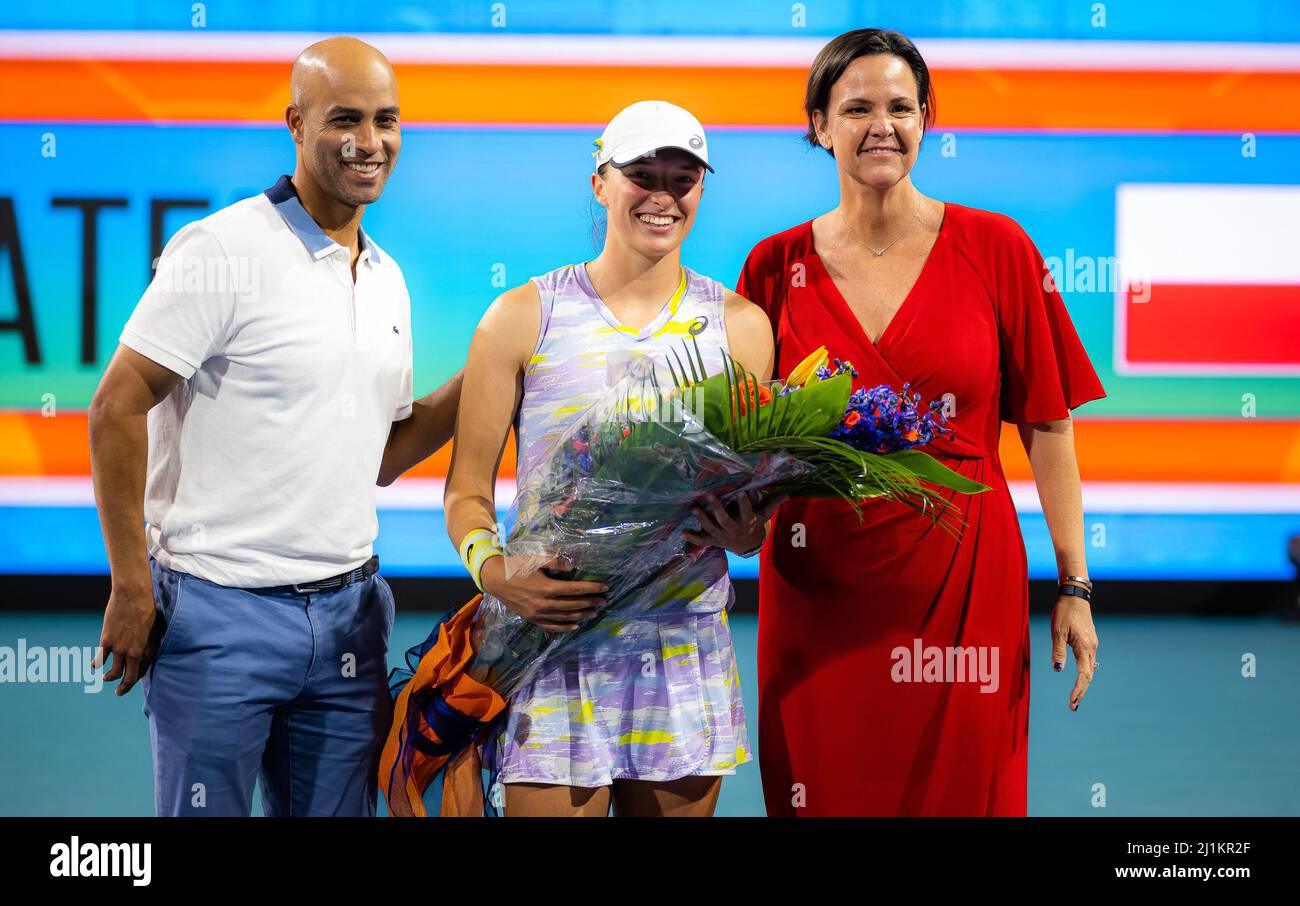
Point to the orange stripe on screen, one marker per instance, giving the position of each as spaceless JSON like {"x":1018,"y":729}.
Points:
{"x":1109,"y":450}
{"x":57,"y":90}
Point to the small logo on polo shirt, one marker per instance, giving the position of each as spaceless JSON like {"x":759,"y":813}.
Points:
{"x":395,"y":330}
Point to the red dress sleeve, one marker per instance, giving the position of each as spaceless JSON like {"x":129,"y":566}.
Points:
{"x":1045,"y":369}
{"x":759,"y":281}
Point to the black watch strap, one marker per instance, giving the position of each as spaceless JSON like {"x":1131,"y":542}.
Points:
{"x":1077,"y":590}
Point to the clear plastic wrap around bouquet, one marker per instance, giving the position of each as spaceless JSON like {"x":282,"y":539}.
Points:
{"x":612,"y":497}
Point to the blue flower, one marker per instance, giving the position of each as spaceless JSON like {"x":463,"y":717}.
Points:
{"x":880,"y":420}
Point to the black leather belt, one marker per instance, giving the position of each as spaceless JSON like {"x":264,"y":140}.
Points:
{"x":360,"y":574}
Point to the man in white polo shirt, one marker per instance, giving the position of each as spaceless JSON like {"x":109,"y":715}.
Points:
{"x":272,"y":356}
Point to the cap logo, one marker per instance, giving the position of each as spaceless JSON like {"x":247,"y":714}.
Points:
{"x":696,"y":142}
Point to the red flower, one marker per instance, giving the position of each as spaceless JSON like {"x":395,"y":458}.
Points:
{"x":852,"y":418}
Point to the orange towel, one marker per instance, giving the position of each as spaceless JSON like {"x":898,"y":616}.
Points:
{"x":404,"y":771}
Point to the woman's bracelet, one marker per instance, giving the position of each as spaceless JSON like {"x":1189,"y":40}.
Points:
{"x":477,"y":548}
{"x":1081,"y":580}
{"x":1075,"y":590}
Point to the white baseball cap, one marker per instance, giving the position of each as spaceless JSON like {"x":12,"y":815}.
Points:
{"x":647,"y":126}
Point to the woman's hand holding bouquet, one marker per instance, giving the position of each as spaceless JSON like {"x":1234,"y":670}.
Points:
{"x":555,"y":605}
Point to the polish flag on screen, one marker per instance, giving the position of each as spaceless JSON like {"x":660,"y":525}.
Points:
{"x":1209,"y":279}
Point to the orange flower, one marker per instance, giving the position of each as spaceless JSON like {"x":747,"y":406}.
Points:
{"x":754,"y":388}
{"x":852,"y":418}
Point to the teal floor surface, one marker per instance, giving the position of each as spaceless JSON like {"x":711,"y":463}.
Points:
{"x":1170,"y":727}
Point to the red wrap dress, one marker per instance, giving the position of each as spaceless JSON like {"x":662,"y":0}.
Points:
{"x":851,"y":720}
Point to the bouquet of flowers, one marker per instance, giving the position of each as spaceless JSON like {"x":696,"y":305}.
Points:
{"x":613,"y":497}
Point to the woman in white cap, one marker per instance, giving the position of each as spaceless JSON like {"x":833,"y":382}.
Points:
{"x":649,"y":726}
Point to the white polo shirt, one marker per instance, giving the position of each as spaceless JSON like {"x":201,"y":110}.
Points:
{"x":263,"y":459}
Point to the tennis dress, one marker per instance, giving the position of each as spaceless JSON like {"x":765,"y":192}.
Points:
{"x":659,"y":698}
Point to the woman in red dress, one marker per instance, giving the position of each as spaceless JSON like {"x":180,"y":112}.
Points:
{"x":893,"y":659}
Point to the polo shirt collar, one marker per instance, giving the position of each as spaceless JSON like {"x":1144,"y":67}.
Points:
{"x":285,"y":199}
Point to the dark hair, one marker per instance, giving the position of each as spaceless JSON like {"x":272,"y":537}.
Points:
{"x":836,"y":56}
{"x":599,"y":222}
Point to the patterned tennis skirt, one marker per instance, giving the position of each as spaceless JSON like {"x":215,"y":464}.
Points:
{"x":660,"y":702}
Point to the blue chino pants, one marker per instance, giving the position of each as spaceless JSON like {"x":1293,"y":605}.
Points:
{"x":282,"y":688}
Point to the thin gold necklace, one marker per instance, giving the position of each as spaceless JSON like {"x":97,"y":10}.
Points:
{"x":875,"y":251}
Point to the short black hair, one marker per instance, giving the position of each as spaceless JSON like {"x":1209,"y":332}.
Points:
{"x":836,"y":56}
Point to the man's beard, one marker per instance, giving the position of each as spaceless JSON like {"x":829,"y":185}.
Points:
{"x":354,"y":196}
